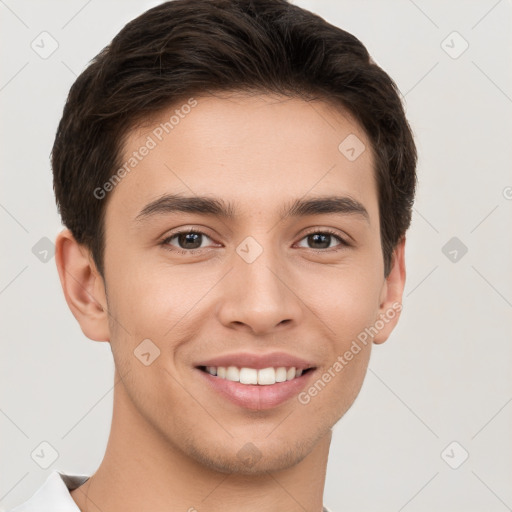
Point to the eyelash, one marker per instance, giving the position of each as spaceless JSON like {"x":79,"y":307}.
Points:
{"x":167,"y":246}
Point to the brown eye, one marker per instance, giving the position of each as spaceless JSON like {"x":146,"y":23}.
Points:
{"x":322,"y":240}
{"x":186,"y":240}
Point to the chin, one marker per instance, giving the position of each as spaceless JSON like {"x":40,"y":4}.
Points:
{"x":254,"y":457}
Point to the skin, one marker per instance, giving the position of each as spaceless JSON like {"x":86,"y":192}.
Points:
{"x":174,"y":442}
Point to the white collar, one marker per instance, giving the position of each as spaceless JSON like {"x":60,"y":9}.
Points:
{"x":54,"y":495}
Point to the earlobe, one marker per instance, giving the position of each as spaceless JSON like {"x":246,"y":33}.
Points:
{"x":83,"y":286}
{"x":391,"y":296}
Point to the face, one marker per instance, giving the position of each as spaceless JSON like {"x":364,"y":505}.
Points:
{"x":273,"y":262}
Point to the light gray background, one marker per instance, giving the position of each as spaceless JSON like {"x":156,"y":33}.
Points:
{"x":445,"y":373}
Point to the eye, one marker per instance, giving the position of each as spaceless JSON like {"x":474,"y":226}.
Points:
{"x":188,"y":241}
{"x":322,"y":239}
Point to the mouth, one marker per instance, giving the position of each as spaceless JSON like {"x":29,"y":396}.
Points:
{"x":255,"y":388}
{"x":254,"y":376}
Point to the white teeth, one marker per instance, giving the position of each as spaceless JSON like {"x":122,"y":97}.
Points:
{"x":281,"y":374}
{"x":248,"y":376}
{"x":266,"y":376}
{"x":232,"y":373}
{"x":290,"y":374}
{"x":263,"y":377}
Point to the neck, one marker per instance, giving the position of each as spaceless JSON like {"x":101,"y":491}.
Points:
{"x":142,"y":471}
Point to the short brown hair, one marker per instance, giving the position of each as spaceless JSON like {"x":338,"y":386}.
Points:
{"x":188,"y":47}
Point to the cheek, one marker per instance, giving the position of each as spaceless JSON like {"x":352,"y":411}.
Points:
{"x":144,"y":297}
{"x":337,"y":384}
{"x":166,"y":304}
{"x":348,"y":304}
{"x":347,"y":298}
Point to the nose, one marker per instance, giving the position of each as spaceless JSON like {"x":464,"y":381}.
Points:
{"x":259,"y":297}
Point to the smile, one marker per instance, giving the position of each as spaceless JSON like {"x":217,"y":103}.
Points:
{"x":261,"y":377}
{"x":256,"y":389}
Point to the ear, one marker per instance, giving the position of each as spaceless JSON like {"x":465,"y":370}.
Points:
{"x":391,"y":295}
{"x":83,"y":286}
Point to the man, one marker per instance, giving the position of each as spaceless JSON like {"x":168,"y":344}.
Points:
{"x":236,"y":179}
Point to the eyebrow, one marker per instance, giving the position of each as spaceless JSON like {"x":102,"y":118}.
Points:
{"x":202,"y":205}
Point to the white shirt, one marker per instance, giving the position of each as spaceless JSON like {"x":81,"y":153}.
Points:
{"x":54,"y":495}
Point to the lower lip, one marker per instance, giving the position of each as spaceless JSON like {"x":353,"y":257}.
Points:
{"x":257,"y":397}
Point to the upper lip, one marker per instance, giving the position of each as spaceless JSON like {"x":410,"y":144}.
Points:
{"x":258,"y":361}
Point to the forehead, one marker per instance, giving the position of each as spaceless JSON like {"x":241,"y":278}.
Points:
{"x":251,"y":150}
